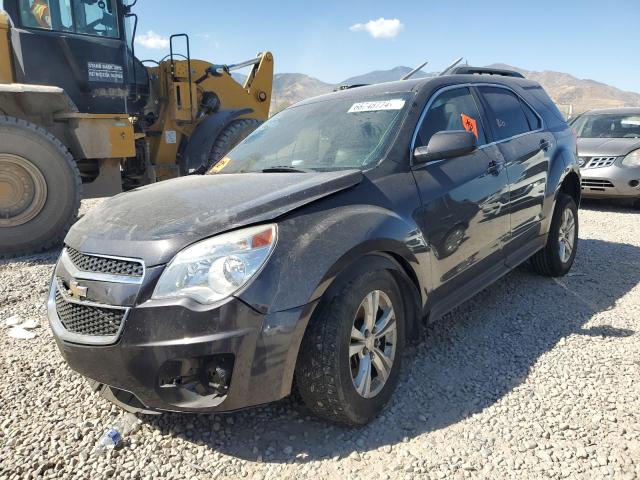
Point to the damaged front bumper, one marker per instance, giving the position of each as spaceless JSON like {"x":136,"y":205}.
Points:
{"x":175,"y":355}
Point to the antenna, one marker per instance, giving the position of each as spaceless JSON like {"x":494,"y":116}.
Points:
{"x":414,"y":71}
{"x":444,"y":72}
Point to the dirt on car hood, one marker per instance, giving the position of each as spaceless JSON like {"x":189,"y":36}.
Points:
{"x":156,"y":221}
{"x":611,"y":147}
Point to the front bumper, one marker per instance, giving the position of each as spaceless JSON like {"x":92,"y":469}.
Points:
{"x":167,"y":354}
{"x":613,"y":181}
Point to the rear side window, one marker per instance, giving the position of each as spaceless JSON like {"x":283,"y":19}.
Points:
{"x":452,"y":110}
{"x":532,"y":118}
{"x":505,"y":112}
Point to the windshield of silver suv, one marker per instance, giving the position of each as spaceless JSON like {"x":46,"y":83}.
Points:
{"x":608,"y":126}
{"x":326,"y":135}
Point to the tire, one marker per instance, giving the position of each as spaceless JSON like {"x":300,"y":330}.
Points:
{"x":231,"y":136}
{"x":548,"y":261}
{"x":36,"y":166}
{"x":325,"y":370}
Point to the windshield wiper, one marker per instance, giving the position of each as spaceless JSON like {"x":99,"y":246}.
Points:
{"x":286,"y":169}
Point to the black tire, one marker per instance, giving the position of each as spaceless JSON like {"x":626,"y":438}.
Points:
{"x":323,"y":372}
{"x":52,"y":162}
{"x":547,"y":261}
{"x":231,"y":136}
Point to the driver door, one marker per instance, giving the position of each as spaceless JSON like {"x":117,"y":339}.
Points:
{"x":76,"y":45}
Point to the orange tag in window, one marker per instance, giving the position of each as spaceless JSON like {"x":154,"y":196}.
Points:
{"x":469,"y":124}
{"x":220,"y":165}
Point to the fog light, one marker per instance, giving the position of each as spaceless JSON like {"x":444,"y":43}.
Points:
{"x":634,"y":183}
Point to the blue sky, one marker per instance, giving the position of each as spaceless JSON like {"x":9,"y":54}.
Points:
{"x":588,"y":38}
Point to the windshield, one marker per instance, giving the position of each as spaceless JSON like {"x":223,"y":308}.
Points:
{"x":607,"y":126}
{"x":322,"y":136}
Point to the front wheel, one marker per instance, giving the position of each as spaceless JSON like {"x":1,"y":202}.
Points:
{"x":351,"y":354}
{"x":557,"y":257}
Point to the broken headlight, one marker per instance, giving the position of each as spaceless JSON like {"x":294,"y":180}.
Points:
{"x":214,"y":269}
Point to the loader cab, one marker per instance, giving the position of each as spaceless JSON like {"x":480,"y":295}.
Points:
{"x":82,"y":46}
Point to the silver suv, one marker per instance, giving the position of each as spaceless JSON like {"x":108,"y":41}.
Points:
{"x":609,"y":151}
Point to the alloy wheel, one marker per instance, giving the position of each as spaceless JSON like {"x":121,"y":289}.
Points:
{"x":372,"y":348}
{"x":567,"y":235}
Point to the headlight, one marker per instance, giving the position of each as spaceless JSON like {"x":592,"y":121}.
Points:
{"x":214,"y":269}
{"x":632,"y":160}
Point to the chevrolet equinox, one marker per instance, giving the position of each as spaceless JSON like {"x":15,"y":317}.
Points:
{"x":314,"y":251}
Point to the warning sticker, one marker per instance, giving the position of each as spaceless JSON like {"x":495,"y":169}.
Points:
{"x":170,"y":137}
{"x":469,"y":124}
{"x":393,"y":104}
{"x":105,"y":72}
{"x":220,"y":165}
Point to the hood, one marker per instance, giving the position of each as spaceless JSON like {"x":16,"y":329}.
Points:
{"x":607,"y":147}
{"x":156,"y":221}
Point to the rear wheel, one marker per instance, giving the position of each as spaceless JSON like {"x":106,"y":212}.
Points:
{"x":557,"y":257}
{"x":39,"y":188}
{"x":351,"y":354}
{"x":231,"y":136}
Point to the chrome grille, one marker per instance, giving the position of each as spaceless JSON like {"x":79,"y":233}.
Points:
{"x":105,"y":265}
{"x":87,"y":319}
{"x":596,"y":184}
{"x":597,"y":162}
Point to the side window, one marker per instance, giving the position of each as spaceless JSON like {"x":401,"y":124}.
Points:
{"x":505,"y":113}
{"x":532,"y":118}
{"x":80,"y":16}
{"x":452,"y":110}
{"x":96,"y":18}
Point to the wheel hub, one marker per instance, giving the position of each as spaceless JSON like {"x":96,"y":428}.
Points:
{"x":373,"y":344}
{"x":566,"y":235}
{"x":23,"y":190}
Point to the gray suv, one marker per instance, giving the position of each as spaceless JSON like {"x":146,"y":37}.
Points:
{"x":609,"y":150}
{"x":317,"y":247}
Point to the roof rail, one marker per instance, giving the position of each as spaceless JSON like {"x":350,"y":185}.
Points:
{"x":349,"y":87}
{"x":466,"y":70}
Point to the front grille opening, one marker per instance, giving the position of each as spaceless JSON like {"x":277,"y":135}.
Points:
{"x":596,"y":184}
{"x":88,"y":319}
{"x":598,"y":162}
{"x":109,"y":266}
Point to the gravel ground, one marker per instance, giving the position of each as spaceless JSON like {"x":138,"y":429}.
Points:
{"x":532,"y":378}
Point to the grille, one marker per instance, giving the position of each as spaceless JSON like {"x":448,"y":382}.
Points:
{"x":596,"y":184}
{"x":87,"y":319}
{"x":109,"y":266}
{"x":597,"y":162}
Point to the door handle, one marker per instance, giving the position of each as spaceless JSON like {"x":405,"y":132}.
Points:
{"x":494,"y":167}
{"x":545,"y":144}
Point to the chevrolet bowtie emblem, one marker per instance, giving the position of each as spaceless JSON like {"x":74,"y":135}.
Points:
{"x":77,"y":291}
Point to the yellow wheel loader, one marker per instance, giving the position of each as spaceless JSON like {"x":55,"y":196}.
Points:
{"x":82,"y":117}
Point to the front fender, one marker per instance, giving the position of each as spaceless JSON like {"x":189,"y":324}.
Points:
{"x":305,"y":264}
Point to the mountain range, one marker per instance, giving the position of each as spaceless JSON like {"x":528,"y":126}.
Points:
{"x":573,"y":95}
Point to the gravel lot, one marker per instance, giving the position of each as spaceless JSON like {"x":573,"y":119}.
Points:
{"x":532,"y":378}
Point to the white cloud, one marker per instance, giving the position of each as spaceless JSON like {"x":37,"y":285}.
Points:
{"x":380,"y":28}
{"x":152,"y":40}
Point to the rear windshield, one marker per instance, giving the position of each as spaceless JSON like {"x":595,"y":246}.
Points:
{"x":327,"y":135}
{"x":607,"y":126}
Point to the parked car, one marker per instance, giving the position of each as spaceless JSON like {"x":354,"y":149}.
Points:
{"x":609,"y":151}
{"x":315,"y":250}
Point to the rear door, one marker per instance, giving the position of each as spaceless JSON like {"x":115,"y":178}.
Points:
{"x":525,"y":147}
{"x":463,"y":217}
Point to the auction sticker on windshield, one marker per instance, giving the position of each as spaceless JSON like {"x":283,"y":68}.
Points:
{"x":393,"y":104}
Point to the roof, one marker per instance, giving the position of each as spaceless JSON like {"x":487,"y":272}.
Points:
{"x":417,"y":85}
{"x":613,"y":111}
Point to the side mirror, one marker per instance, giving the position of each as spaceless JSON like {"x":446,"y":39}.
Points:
{"x":446,"y":144}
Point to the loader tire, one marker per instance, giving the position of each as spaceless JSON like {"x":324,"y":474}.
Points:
{"x":40,"y":188}
{"x":231,"y":136}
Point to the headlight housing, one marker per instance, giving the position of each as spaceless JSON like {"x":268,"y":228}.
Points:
{"x":214,"y":269}
{"x":632,"y":160}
